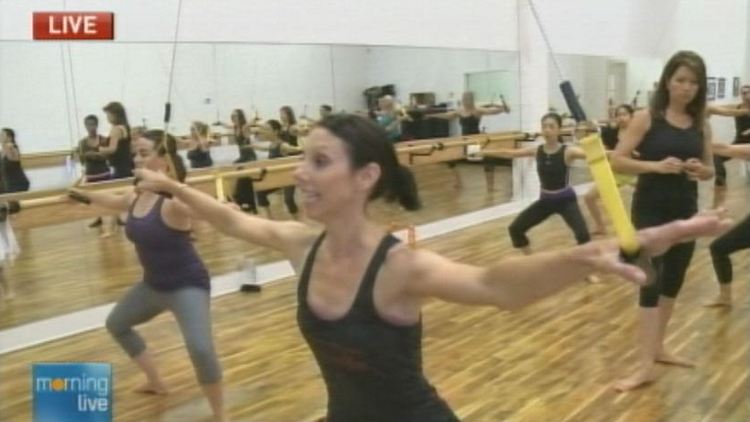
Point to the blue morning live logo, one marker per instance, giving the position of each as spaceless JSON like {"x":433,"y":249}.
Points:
{"x":72,"y":392}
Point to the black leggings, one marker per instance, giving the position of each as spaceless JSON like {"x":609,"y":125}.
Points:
{"x":736,"y":239}
{"x":654,"y":210}
{"x":720,"y":176}
{"x":288,"y":198}
{"x":565,"y":205}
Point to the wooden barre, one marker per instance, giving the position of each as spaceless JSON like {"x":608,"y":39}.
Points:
{"x":260,"y":170}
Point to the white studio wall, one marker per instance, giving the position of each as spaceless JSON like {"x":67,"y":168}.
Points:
{"x":209,"y":81}
{"x":424,"y":23}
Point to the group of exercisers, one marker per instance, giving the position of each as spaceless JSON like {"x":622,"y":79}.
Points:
{"x":360,"y":290}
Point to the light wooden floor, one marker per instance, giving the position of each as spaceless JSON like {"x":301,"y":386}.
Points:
{"x":66,"y":267}
{"x":552,"y":361}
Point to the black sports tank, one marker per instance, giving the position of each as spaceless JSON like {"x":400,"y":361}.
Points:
{"x":742,"y":123}
{"x":552,"y":168}
{"x":372,"y":369}
{"x":469,"y":124}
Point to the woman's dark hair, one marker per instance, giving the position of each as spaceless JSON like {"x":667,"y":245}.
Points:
{"x":274,"y":124}
{"x":696,"y":108}
{"x":10,"y":134}
{"x":558,"y":119}
{"x":167,"y":148}
{"x":91,"y":118}
{"x":291,"y":118}
{"x":120,"y":116}
{"x":366,"y":142}
{"x":554,"y":116}
{"x":627,"y":107}
{"x":241,"y":120}
{"x":326,"y":107}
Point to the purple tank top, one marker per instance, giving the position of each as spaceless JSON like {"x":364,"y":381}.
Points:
{"x":167,"y":255}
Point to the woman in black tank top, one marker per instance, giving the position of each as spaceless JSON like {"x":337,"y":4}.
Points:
{"x":673,"y":141}
{"x":734,"y":240}
{"x":469,"y":116}
{"x":361,"y":290}
{"x":12,"y":175}
{"x":557,"y":196}
{"x":199,"y":146}
{"x":244,"y":192}
{"x":119,"y":148}
{"x":741,"y":114}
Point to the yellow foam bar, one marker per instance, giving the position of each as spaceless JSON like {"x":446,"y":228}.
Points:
{"x":604,"y":179}
{"x":220,"y":188}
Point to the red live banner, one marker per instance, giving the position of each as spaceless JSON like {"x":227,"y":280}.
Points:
{"x":74,"y":25}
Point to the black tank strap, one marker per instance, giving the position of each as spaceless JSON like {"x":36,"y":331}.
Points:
{"x":365,"y":300}
{"x":304,"y":280}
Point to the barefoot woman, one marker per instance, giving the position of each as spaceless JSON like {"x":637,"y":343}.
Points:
{"x":674,"y":142}
{"x":174,"y":278}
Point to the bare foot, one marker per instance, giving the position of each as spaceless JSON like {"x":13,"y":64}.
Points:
{"x":670,"y":359}
{"x":640,"y":379}
{"x":155,"y":389}
{"x":106,"y":234}
{"x":593,"y":279}
{"x":719,"y":302}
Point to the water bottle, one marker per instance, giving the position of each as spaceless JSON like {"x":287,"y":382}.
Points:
{"x":248,"y":275}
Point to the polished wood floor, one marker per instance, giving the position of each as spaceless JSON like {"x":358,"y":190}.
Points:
{"x":60,"y":254}
{"x":551,"y":361}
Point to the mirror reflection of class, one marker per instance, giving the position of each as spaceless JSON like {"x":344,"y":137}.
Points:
{"x":411,"y":212}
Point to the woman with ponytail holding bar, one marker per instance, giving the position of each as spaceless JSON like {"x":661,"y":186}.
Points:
{"x":361,"y":291}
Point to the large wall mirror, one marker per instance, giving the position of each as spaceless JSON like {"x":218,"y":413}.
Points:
{"x":47,"y":89}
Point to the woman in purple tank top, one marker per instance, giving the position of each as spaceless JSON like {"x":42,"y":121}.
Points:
{"x":174,"y":277}
{"x":361,"y":291}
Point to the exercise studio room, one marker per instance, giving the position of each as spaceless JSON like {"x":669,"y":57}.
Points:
{"x":358,"y":211}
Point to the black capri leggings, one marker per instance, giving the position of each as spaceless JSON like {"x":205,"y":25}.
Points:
{"x":734,"y":240}
{"x":564,"y":203}
{"x":654,"y":210}
{"x":288,"y":198}
{"x":720,"y":175}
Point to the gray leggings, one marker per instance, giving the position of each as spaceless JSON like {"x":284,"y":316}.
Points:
{"x":191,"y":307}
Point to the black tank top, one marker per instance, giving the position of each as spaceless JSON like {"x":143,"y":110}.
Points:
{"x":552,"y":168}
{"x":13,"y":177}
{"x":94,"y":166}
{"x":246,"y":154}
{"x":372,"y":369}
{"x":290,"y":139}
{"x":469,"y":124}
{"x":122,"y":159}
{"x":664,"y":140}
{"x":742,"y":123}
{"x":610,"y":137}
{"x":199,"y":158}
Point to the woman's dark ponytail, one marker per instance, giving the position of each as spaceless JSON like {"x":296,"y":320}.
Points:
{"x":403,"y":188}
{"x":366,"y":143}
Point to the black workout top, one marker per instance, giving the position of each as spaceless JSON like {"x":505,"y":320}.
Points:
{"x":246,"y":153}
{"x":122,"y":159}
{"x":610,"y":137}
{"x":552,"y":168}
{"x":94,"y":166}
{"x":199,"y":158}
{"x":742,"y":123}
{"x":13,"y":177}
{"x":290,"y":139}
{"x":469,"y":124}
{"x":372,"y":369}
{"x":665,"y":140}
